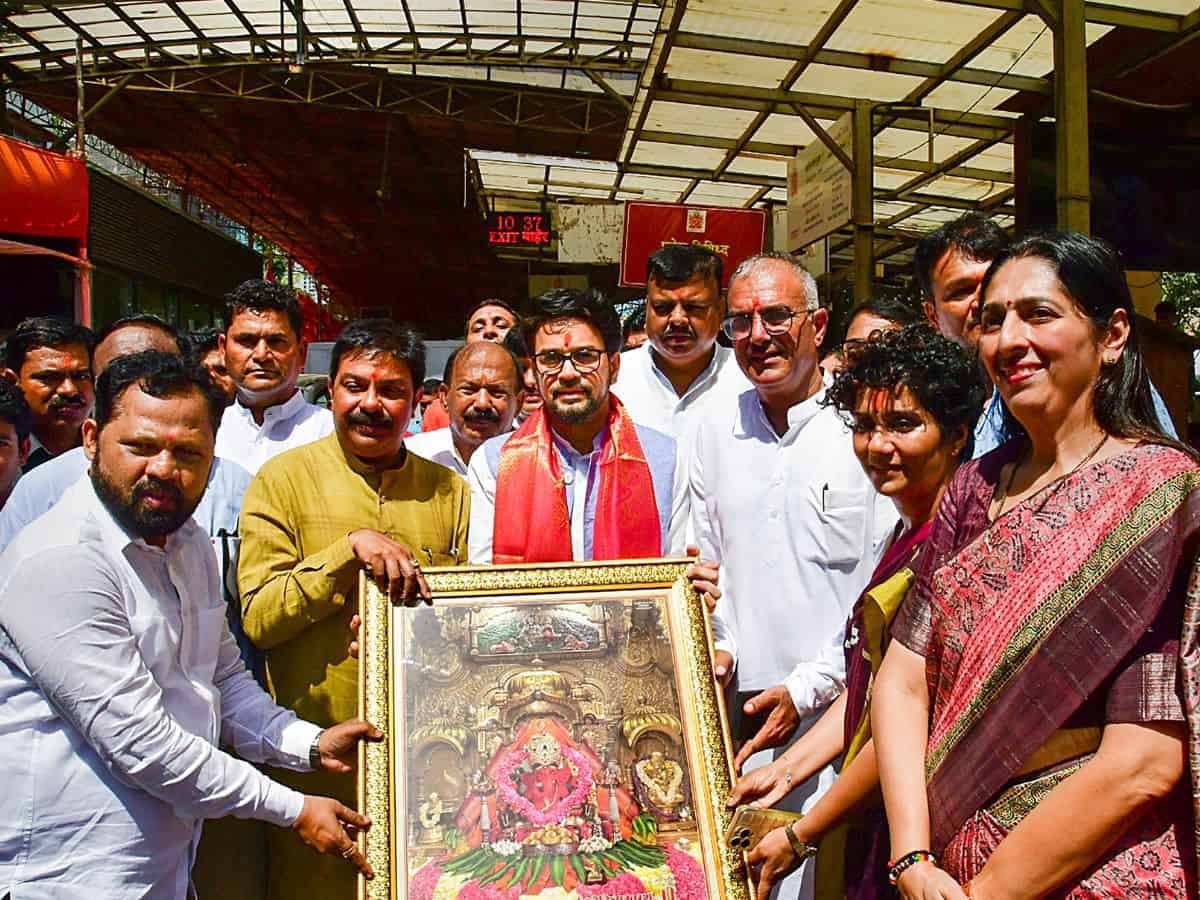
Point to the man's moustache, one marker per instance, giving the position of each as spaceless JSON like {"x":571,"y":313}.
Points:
{"x":358,"y":418}
{"x":680,"y":331}
{"x":481,"y":415}
{"x":157,"y":484}
{"x":62,"y":402}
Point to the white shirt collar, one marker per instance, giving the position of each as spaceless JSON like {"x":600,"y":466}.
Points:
{"x":290,"y":407}
{"x":700,"y":381}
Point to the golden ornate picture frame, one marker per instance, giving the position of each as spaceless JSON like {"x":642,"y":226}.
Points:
{"x":553,"y":731}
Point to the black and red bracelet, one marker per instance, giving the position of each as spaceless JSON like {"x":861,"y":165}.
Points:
{"x":897,"y":867}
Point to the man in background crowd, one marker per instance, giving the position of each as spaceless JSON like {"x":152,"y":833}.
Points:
{"x":430,"y":413}
{"x":681,"y":371}
{"x":50,"y":360}
{"x":491,"y":320}
{"x":313,"y":518}
{"x":483,"y":391}
{"x":633,"y":330}
{"x":205,"y":346}
{"x":265,"y":354}
{"x":15,"y":425}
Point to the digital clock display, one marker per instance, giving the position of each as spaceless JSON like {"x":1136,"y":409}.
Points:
{"x":518,"y":229}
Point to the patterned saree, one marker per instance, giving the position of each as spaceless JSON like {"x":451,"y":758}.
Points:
{"x":1078,"y":607}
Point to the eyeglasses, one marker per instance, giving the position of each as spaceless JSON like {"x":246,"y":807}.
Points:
{"x":584,"y":360}
{"x":775,"y":320}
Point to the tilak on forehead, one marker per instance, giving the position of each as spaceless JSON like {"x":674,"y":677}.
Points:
{"x":567,"y":340}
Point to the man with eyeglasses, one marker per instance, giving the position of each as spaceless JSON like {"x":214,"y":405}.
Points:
{"x":578,"y":480}
{"x":680,"y":371}
{"x":781,"y":502}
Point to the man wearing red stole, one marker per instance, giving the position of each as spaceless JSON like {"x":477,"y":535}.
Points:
{"x":579,"y":480}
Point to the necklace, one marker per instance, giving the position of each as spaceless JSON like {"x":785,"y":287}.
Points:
{"x":1050,"y":489}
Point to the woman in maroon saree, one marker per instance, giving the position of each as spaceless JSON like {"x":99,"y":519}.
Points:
{"x":912,"y":398}
{"x":1036,"y":717}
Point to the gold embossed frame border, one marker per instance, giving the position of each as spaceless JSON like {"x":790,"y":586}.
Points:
{"x":703,"y":735}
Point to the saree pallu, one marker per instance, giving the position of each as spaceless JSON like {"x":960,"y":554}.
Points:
{"x":1066,"y":611}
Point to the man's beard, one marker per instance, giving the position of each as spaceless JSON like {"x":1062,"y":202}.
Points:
{"x":131,"y":516}
{"x":575,"y":414}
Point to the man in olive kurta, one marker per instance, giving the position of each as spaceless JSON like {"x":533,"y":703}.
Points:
{"x":312,"y":519}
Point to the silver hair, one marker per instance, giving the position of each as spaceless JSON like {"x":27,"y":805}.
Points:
{"x":746,"y":266}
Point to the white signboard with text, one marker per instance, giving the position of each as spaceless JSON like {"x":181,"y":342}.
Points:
{"x":820,"y":192}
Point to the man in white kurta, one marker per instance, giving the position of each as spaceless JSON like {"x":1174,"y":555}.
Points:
{"x":781,"y":502}
{"x":680,"y":372}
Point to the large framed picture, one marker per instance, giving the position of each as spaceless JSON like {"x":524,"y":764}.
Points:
{"x":553,"y":731}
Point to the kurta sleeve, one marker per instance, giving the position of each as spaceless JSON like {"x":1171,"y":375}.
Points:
{"x":282,"y":593}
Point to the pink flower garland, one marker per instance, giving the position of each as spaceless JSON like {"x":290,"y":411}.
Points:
{"x":422,"y":885}
{"x":689,"y":878}
{"x":507,"y":790}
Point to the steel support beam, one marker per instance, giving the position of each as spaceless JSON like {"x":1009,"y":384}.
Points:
{"x":1073,"y":187}
{"x":863,"y":205}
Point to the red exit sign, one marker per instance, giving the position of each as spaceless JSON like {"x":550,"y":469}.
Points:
{"x":518,"y":229}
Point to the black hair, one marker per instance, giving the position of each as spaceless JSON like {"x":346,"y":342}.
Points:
{"x":677,"y":263}
{"x":570,"y":303}
{"x":891,"y":309}
{"x":942,"y":376}
{"x":635,"y":321}
{"x":158,"y":374}
{"x":972,"y":234}
{"x":448,"y":369}
{"x":45,"y":331}
{"x":1089,"y":269}
{"x":430,"y":385}
{"x":260,"y":295}
{"x":15,"y":410}
{"x":203,"y":342}
{"x":374,"y":336}
{"x":144,"y":320}
{"x":514,"y":343}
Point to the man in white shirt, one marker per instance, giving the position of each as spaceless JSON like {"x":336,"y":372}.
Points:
{"x":490,"y":320}
{"x":483,"y":391}
{"x":681,"y":371}
{"x":114,"y":696}
{"x":548,"y":492}
{"x":781,"y":502}
{"x":264,"y":354}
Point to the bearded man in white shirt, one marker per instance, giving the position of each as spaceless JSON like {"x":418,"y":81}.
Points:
{"x":680,"y":371}
{"x":781,"y":502}
{"x":264,"y":353}
{"x":113,"y":697}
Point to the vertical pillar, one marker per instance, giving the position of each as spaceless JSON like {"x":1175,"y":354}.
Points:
{"x":864,"y":201}
{"x":1072,"y":185}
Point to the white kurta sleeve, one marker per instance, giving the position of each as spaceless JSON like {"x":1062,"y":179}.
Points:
{"x":82,"y":653}
{"x":679,"y":525}
{"x":814,"y":683}
{"x":707,"y":530}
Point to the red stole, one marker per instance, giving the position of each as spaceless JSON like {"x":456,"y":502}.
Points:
{"x":532,"y":524}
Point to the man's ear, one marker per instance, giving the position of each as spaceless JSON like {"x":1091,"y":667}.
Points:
{"x":820,"y":320}
{"x":91,"y":438}
{"x":221,"y":342}
{"x":614,"y":362}
{"x":23,"y":448}
{"x":303,"y":355}
{"x":930,"y":315}
{"x":10,"y":375}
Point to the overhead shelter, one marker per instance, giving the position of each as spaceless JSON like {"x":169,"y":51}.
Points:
{"x":336,"y":127}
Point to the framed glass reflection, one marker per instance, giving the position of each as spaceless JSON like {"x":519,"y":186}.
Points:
{"x":553,"y":732}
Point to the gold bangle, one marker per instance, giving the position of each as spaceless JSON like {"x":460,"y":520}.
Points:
{"x":801,"y":849}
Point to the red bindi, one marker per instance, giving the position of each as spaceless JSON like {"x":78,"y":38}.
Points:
{"x":567,"y":341}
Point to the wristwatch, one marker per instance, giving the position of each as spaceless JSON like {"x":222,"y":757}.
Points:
{"x":802,"y":850}
{"x":314,"y":751}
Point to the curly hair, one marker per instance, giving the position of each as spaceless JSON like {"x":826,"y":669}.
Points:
{"x":942,"y":376}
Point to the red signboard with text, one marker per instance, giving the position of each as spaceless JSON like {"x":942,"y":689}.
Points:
{"x":733,"y":234}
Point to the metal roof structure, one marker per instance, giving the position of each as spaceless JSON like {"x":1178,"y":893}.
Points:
{"x":699,"y":101}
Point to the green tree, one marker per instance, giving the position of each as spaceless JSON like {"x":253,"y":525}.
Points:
{"x":1183,"y":289}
